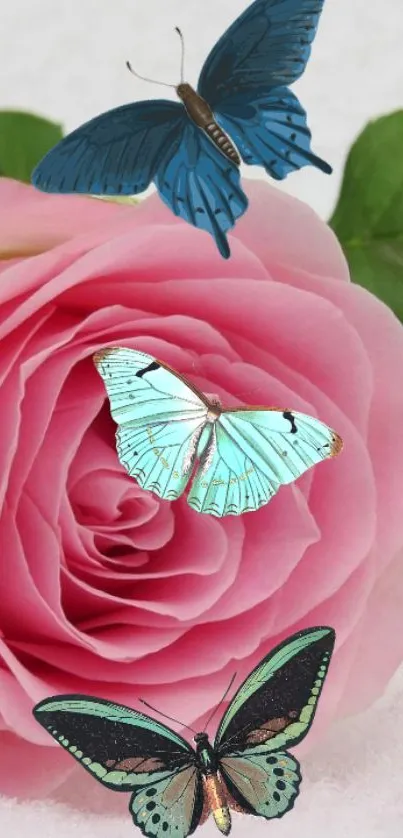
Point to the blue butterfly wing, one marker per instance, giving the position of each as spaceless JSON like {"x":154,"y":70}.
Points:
{"x":245,"y":80}
{"x":267,"y":46}
{"x":202,"y":186}
{"x":117,"y":153}
{"x":270,"y":131}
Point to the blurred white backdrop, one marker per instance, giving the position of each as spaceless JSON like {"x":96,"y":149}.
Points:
{"x":66,"y":60}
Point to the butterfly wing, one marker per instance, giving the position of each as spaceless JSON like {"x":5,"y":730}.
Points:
{"x":267,"y":46}
{"x":160,"y":419}
{"x":128,"y":751}
{"x":202,"y":186}
{"x":262,"y":784}
{"x":276,"y":703}
{"x":122,"y":151}
{"x":252,"y":452}
{"x":172,"y":806}
{"x":270,"y":131}
{"x":273,"y":708}
{"x":244,"y":80}
{"x":117,"y":153}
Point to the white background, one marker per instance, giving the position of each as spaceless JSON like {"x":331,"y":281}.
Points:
{"x":65,"y":59}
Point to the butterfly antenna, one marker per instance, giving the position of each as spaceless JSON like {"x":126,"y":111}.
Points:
{"x":183,"y":54}
{"x":171,"y":719}
{"x":211,"y":716}
{"x":144,"y":78}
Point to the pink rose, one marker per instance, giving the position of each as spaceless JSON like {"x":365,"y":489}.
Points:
{"x":108,"y":591}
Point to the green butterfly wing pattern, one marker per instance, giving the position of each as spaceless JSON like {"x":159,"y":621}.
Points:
{"x":252,"y":452}
{"x":171,"y":806}
{"x":174,"y":787}
{"x":261,"y":784}
{"x":272,"y":709}
{"x":277,"y":701}
{"x":128,"y":751}
{"x":160,"y":419}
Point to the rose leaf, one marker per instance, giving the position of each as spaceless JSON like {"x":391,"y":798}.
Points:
{"x":368,"y":219}
{"x":24,"y":140}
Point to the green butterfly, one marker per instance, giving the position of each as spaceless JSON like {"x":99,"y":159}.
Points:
{"x":165,"y":425}
{"x":174,"y":786}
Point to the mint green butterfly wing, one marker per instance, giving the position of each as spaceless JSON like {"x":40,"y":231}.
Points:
{"x":128,"y":751}
{"x":165,"y":425}
{"x":273,"y":709}
{"x":160,"y":419}
{"x":251,"y":452}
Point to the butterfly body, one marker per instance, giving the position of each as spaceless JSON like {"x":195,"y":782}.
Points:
{"x":174,"y":787}
{"x":205,"y":439}
{"x":217,"y":802}
{"x":202,"y":115}
{"x":206,"y":758}
{"x":168,"y":431}
{"x":191,"y":150}
{"x":214,"y":790}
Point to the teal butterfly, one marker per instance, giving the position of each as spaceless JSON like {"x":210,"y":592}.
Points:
{"x":165,"y":425}
{"x":174,"y":786}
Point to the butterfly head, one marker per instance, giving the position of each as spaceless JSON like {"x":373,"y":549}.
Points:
{"x":185,"y":92}
{"x":214,"y":408}
{"x":201,"y":739}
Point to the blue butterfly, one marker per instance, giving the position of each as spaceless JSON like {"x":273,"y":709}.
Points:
{"x":185,"y":148}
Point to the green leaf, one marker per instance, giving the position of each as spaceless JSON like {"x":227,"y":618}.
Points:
{"x":24,"y":139}
{"x":368,"y":219}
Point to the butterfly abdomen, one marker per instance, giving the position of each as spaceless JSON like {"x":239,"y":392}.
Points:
{"x":217,"y":802}
{"x":223,"y":143}
{"x":202,"y":115}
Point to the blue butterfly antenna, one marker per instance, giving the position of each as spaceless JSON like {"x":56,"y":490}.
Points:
{"x":164,"y":83}
{"x":211,"y":716}
{"x":171,"y":719}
